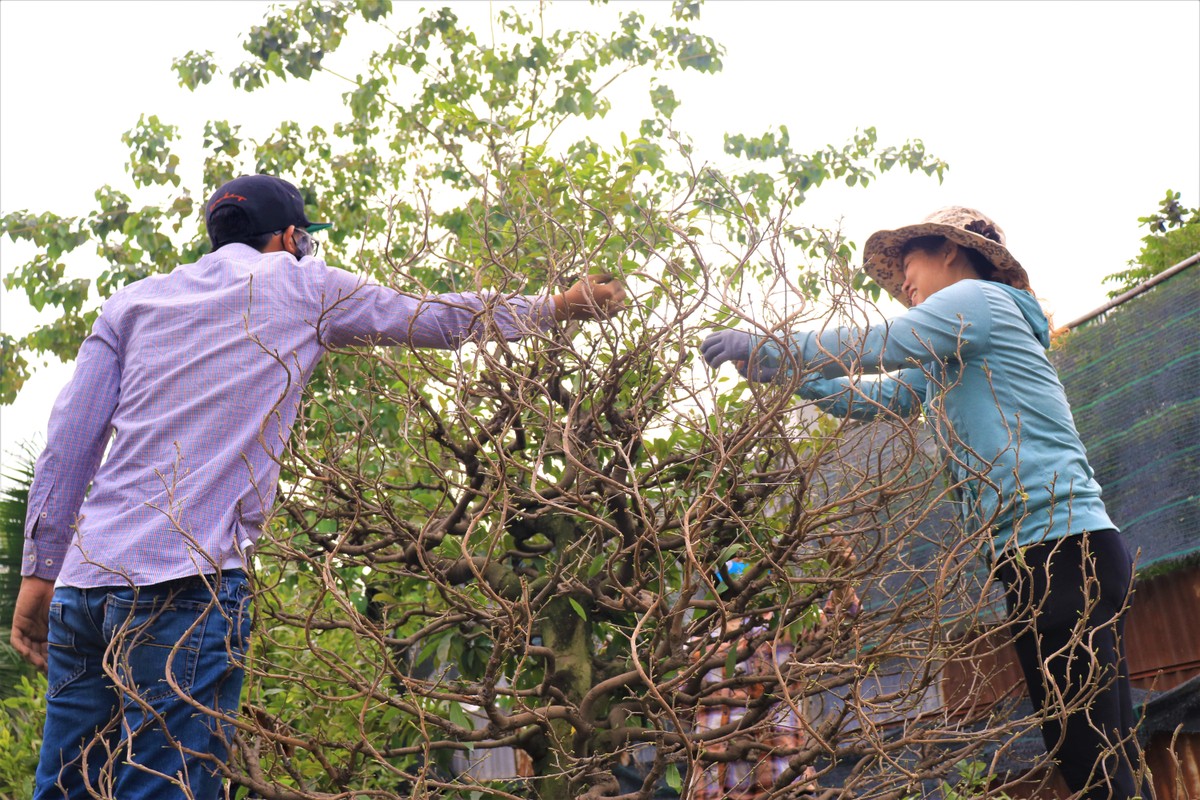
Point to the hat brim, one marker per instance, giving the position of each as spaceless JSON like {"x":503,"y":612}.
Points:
{"x":318,"y":226}
{"x":883,"y":262}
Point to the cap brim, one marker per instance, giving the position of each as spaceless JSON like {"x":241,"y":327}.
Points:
{"x":318,"y":226}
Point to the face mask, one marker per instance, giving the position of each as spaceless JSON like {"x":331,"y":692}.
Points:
{"x":304,"y":243}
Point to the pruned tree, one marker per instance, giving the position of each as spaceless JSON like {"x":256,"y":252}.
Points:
{"x":523,"y":550}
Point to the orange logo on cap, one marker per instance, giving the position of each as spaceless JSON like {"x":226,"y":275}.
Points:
{"x":225,"y":196}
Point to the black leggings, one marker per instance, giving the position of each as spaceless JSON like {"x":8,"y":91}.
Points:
{"x":1074,"y":652}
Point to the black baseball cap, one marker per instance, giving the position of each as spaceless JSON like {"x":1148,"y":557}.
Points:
{"x":270,"y":204}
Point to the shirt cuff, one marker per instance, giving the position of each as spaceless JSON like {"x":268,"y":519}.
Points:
{"x":540,"y":316}
{"x":43,"y":557}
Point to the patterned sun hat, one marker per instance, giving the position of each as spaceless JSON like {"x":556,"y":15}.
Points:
{"x":963,"y":226}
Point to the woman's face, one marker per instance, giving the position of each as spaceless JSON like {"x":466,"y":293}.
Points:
{"x":926,"y":273}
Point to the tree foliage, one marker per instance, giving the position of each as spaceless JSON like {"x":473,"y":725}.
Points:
{"x":1174,"y":236}
{"x":525,"y":547}
{"x":13,"y":502}
{"x":22,"y":688}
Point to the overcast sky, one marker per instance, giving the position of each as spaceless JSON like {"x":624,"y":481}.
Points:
{"x":1063,"y":121}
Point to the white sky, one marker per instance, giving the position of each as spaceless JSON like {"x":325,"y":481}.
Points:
{"x":1064,"y":121}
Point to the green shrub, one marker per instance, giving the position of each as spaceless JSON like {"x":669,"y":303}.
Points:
{"x":21,"y":737}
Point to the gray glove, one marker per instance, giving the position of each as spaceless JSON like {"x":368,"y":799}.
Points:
{"x":738,"y":347}
{"x":722,"y":346}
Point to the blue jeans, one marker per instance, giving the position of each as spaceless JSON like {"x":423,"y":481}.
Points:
{"x":144,"y":683}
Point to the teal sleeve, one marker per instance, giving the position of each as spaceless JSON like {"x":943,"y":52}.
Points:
{"x":868,"y":398}
{"x":953,"y":322}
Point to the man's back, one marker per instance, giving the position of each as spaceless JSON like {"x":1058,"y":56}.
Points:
{"x":208,"y":363}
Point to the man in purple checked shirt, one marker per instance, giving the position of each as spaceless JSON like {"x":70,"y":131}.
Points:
{"x":196,"y":377}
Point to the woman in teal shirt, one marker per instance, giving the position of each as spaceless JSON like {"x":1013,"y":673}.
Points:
{"x":971,"y":354}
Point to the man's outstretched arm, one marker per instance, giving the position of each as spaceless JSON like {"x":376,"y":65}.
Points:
{"x":356,"y":312}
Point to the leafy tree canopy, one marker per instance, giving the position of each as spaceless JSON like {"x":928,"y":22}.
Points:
{"x":525,"y":547}
{"x":1174,"y":236}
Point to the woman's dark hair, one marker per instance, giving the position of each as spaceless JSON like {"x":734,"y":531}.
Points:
{"x":229,"y":225}
{"x":935,"y":244}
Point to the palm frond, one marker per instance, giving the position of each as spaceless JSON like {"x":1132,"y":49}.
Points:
{"x":14,"y":500}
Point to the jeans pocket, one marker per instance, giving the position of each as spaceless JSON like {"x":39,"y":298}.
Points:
{"x":155,"y":643}
{"x":237,"y":604}
{"x":66,"y":662}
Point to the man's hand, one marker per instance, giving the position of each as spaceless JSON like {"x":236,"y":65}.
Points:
{"x":593,"y":297}
{"x":31,"y":621}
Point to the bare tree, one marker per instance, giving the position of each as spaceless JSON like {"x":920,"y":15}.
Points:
{"x":526,"y":548}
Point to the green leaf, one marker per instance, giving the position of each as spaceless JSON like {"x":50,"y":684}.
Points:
{"x":672,"y":777}
{"x":578,"y":608}
{"x":597,"y":564}
{"x":664,"y":100}
{"x":459,"y":717}
{"x":195,"y":69}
